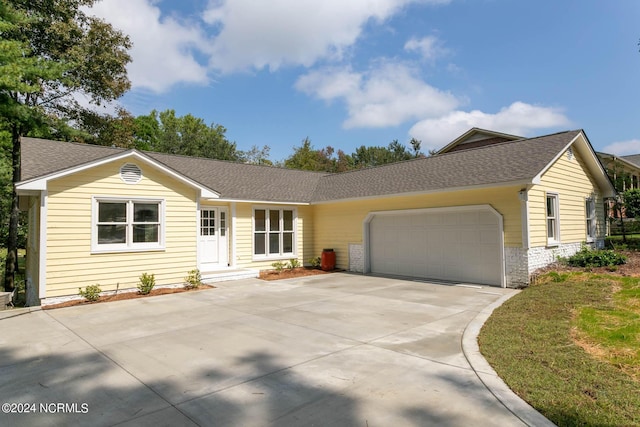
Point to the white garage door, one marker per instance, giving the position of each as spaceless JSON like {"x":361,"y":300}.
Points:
{"x":462,"y":245}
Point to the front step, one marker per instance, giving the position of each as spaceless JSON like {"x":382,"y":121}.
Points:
{"x":226,"y":275}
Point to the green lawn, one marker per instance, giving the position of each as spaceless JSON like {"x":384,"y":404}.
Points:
{"x":532,"y":343}
{"x":632,"y":243}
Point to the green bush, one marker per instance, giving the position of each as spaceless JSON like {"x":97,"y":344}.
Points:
{"x":596,"y":258}
{"x":193,"y":279}
{"x":278,"y":266}
{"x":315,"y":262}
{"x":91,"y":292}
{"x":293,"y":263}
{"x":146,"y":284}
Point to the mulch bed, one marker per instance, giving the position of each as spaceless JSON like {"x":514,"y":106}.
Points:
{"x":264,"y":275}
{"x":125,"y":296}
{"x":630,"y":269}
{"x":290,"y":273}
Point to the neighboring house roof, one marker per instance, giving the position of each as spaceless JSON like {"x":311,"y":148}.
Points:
{"x":634,"y":158}
{"x":475,"y":138}
{"x":632,"y":162}
{"x":513,"y":162}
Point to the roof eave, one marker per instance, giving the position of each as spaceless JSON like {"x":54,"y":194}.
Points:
{"x":257,"y":201}
{"x":517,"y":183}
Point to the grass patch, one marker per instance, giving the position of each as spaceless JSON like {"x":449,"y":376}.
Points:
{"x":613,"y":333}
{"x":569,"y":346}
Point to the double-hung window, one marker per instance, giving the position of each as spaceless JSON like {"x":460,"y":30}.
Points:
{"x":590,"y":210}
{"x":127,"y":224}
{"x":553,"y":229}
{"x":274,"y":233}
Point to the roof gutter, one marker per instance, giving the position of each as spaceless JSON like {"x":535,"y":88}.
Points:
{"x":519,"y":183}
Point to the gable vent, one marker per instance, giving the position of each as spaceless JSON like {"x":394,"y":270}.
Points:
{"x":570,"y":154}
{"x":130,"y":173}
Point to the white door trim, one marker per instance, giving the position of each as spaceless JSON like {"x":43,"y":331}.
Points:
{"x":488,"y":208}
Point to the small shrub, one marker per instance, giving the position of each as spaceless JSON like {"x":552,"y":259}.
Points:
{"x":146,"y":284}
{"x":293,"y":263}
{"x":278,"y":266}
{"x":586,"y":257}
{"x":90,"y":293}
{"x":193,"y":279}
{"x":315,"y":262}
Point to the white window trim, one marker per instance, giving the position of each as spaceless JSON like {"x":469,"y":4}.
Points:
{"x":591,"y":237}
{"x":128,"y":246}
{"x":555,"y":240}
{"x":267,"y":256}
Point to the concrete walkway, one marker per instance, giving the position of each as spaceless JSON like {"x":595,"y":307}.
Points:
{"x":334,"y":350}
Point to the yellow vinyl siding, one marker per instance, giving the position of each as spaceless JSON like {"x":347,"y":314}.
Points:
{"x":70,"y":263}
{"x":244,"y":234}
{"x":338,"y":224}
{"x":573,"y":184}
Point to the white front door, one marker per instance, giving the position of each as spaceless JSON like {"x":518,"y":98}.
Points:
{"x":212,"y":242}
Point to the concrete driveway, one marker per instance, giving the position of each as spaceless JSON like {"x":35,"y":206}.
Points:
{"x":332,"y":350}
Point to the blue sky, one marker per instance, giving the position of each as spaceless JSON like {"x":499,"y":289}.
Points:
{"x":347,"y":73}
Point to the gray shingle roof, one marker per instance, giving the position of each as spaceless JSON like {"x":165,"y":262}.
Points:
{"x":41,"y":157}
{"x":246,"y":182}
{"x":506,"y":162}
{"x":513,"y":161}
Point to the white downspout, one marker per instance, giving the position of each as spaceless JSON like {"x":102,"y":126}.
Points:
{"x":42,"y":262}
{"x":232,"y":262}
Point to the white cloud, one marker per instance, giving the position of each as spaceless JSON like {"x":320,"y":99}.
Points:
{"x":623,"y":148}
{"x":430,"y":47}
{"x":239,"y":35}
{"x":258,"y":34}
{"x":388,"y":95}
{"x":164,"y":49}
{"x":519,"y":119}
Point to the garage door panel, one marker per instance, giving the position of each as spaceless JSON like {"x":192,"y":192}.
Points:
{"x":460,"y":246}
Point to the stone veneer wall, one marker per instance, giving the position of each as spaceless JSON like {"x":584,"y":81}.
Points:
{"x":516,"y":267}
{"x":521,"y":263}
{"x":542,"y":256}
{"x":356,"y":257}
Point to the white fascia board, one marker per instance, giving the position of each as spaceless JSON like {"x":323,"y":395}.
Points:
{"x":40,"y":183}
{"x":256,"y":201}
{"x":421,"y":193}
{"x":590,"y":158}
